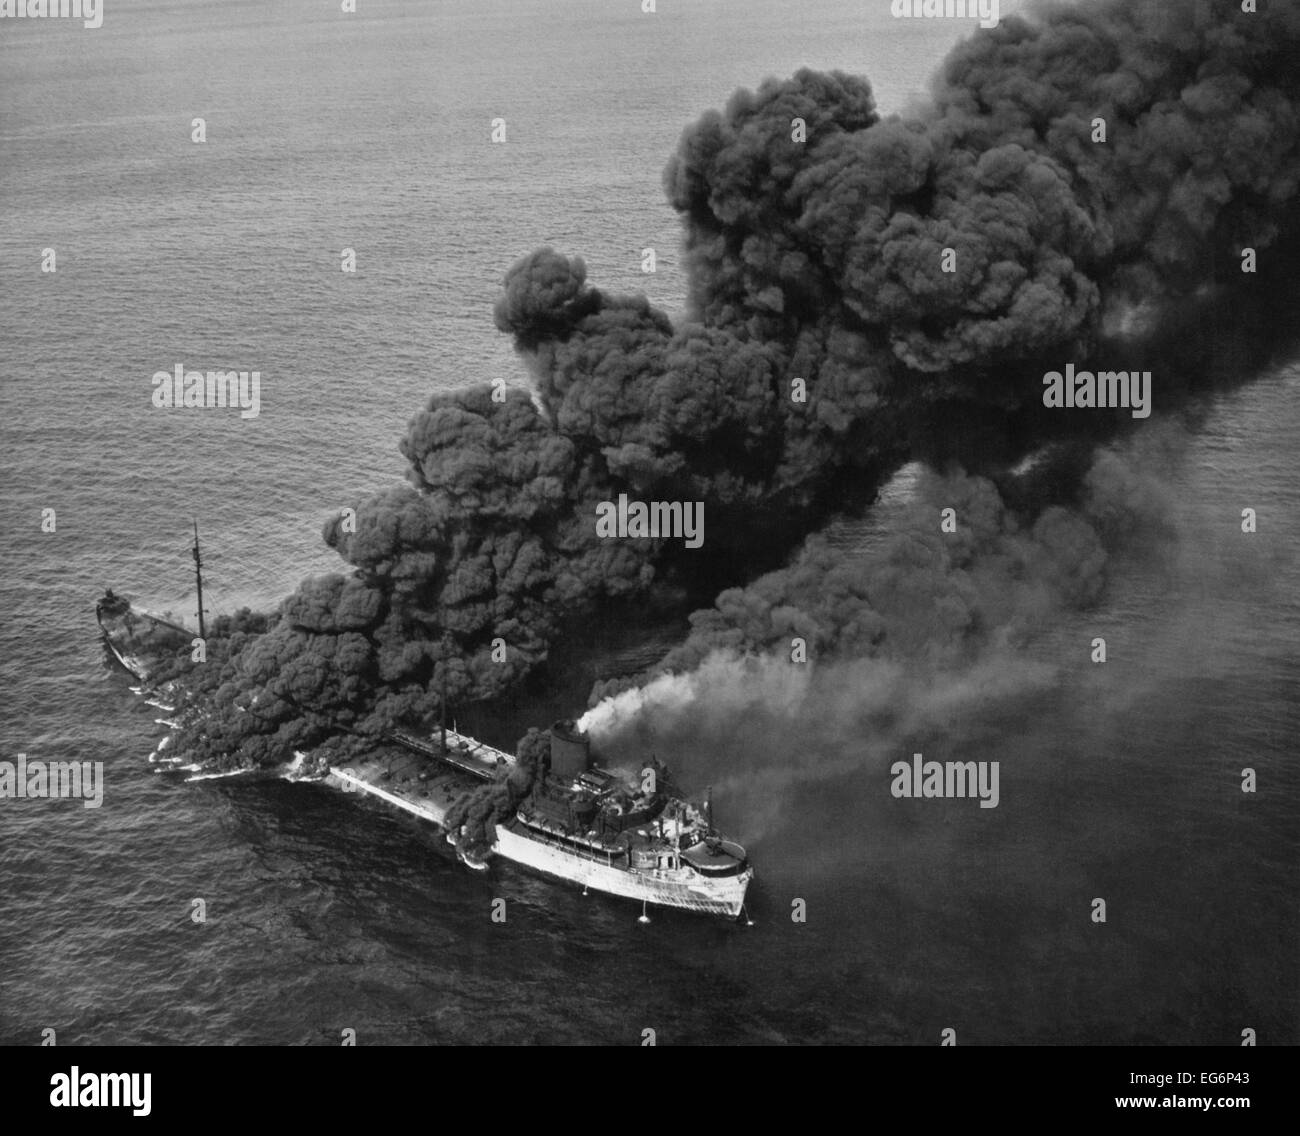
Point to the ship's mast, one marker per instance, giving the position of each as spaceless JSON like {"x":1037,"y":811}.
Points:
{"x":442,"y":699}
{"x":198,"y":579}
{"x":443,"y":710}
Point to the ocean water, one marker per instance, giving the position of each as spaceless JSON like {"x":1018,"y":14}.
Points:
{"x":370,"y":131}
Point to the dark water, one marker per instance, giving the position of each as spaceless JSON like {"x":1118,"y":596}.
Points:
{"x":324,"y":913}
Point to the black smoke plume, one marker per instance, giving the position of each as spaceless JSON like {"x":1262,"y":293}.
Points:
{"x":816,"y":254}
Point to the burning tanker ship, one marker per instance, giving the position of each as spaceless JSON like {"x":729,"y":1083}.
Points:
{"x":625,"y":833}
{"x":628,"y":834}
{"x":631,"y":837}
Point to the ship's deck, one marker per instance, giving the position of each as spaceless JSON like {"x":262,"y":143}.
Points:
{"x":395,"y":775}
{"x":139,"y":638}
{"x":462,"y":751}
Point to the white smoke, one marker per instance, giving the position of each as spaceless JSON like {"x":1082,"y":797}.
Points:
{"x":761,"y":729}
{"x":728,"y":682}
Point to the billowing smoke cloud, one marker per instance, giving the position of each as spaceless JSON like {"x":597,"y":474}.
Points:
{"x":759,"y":731}
{"x":826,"y":346}
{"x":473,"y":815}
{"x":932,"y":595}
{"x":855,"y":653}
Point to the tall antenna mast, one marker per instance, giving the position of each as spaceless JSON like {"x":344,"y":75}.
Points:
{"x":198,"y":579}
{"x":442,"y":699}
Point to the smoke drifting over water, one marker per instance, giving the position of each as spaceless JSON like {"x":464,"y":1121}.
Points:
{"x":761,"y":735}
{"x":816,"y":238}
{"x":901,"y":638}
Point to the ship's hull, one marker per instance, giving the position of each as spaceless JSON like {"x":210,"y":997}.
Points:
{"x":724,"y":896}
{"x":689,"y":876}
{"x":137,"y":638}
{"x":668,"y":888}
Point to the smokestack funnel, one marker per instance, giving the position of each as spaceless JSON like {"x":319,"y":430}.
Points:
{"x":570,"y":749}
